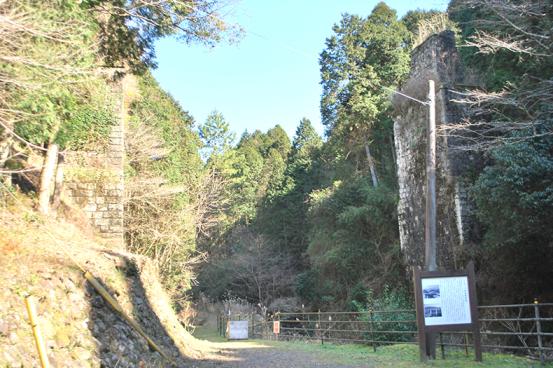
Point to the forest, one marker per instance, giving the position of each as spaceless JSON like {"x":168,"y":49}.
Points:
{"x":273,"y":220}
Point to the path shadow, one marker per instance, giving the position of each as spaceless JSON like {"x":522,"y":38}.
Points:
{"x":119,"y":345}
{"x":266,"y":354}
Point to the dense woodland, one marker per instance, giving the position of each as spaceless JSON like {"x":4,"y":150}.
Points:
{"x":283,"y":221}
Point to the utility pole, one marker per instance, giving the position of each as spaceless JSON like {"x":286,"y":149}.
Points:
{"x":430,"y":246}
{"x":430,"y":263}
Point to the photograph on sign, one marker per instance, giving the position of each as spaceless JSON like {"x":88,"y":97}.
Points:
{"x":446,"y":300}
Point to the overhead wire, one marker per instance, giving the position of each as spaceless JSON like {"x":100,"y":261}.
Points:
{"x":406,"y":96}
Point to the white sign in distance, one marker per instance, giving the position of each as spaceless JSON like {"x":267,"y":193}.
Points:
{"x":238,"y":330}
{"x":446,"y":300}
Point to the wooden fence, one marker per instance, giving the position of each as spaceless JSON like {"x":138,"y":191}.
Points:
{"x":520,"y":328}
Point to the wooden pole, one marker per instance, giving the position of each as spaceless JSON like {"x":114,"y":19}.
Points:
{"x":46,"y":176}
{"x":423,"y":346}
{"x":371,"y":317}
{"x":430,"y":215}
{"x":476,"y":339}
{"x":117,"y":307}
{"x":58,"y":183}
{"x":538,"y":330}
{"x":29,"y":303}
{"x":430,"y":251}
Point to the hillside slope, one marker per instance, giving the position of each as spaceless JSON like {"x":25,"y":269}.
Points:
{"x":39,"y":256}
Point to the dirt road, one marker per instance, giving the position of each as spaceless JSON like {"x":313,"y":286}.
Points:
{"x":264,"y":354}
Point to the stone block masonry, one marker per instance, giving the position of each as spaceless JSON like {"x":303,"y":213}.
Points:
{"x":97,"y":183}
{"x":436,"y":59}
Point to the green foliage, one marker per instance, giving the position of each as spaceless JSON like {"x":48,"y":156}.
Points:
{"x":215,"y":135}
{"x":513,"y":193}
{"x":161,"y":112}
{"x":313,"y":201}
{"x":251,"y":270}
{"x":165,"y":183}
{"x":44,"y":118}
{"x":352,"y":225}
{"x":129,"y":29}
{"x":353,"y":238}
{"x":260,"y":166}
{"x":58,"y":116}
{"x":499,"y":66}
{"x":47,"y":78}
{"x":362,"y":61}
{"x":514,"y":198}
{"x":362,"y":56}
{"x":85,"y":126}
{"x":391,"y":308}
{"x":283,"y":217}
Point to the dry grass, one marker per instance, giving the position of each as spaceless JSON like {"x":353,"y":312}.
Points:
{"x":435,"y":24}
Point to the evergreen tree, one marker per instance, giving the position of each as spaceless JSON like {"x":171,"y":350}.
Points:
{"x":283,"y":216}
{"x":215,"y":134}
{"x":129,"y":29}
{"x":361,"y":62}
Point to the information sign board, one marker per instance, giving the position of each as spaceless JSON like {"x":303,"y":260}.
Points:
{"x":446,"y":301}
{"x":237,"y":330}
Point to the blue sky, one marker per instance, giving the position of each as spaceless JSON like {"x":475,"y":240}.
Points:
{"x":272,"y":75}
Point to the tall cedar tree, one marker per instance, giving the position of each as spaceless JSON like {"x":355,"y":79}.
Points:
{"x":362,"y":61}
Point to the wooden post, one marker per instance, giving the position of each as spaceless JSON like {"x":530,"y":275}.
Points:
{"x":46,"y":176}
{"x":420,"y":314}
{"x":58,"y":183}
{"x":442,"y":348}
{"x":29,"y":303}
{"x":476,"y":339}
{"x":252,"y":325}
{"x":320,"y":327}
{"x":372,"y":329}
{"x":538,"y":331}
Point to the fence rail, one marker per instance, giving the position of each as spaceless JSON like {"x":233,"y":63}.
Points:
{"x":522,"y":328}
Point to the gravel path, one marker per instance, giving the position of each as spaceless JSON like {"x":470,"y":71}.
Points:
{"x":254,"y":354}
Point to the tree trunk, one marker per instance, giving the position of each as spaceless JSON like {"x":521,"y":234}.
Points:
{"x":5,"y":145}
{"x":393,"y":146}
{"x":58,"y":183}
{"x":46,"y":176}
{"x":371,"y":165}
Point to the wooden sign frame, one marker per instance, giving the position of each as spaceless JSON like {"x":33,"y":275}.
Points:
{"x":424,"y":330}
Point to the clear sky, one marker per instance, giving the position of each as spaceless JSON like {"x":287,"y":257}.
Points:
{"x":272,"y":75}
